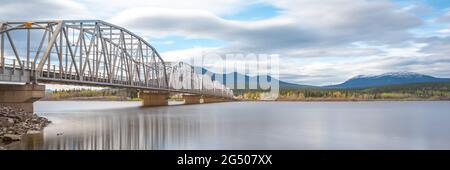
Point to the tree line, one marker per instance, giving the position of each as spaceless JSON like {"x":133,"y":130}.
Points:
{"x":420,"y":91}
{"x":86,"y":94}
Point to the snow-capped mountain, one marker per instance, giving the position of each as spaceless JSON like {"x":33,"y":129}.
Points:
{"x":390,"y":78}
{"x":403,"y":74}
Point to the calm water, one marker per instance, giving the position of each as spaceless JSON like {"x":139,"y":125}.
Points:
{"x":243,"y":125}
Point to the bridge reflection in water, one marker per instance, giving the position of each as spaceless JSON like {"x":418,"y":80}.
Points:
{"x":132,"y":130}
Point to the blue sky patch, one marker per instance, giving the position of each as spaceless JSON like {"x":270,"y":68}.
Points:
{"x":252,"y":12}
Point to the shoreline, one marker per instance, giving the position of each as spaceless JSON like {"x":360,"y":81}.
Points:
{"x":96,"y":98}
{"x":278,"y":100}
{"x":15,"y":123}
{"x":378,"y":100}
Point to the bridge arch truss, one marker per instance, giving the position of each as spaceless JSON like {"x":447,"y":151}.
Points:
{"x":93,"y":52}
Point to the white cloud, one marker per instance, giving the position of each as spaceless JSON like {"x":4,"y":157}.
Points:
{"x":445,"y":17}
{"x":42,"y":9}
{"x":345,"y":51}
{"x":109,"y":8}
{"x":186,"y":55}
{"x":303,"y":23}
{"x":443,"y":31}
{"x":305,"y":33}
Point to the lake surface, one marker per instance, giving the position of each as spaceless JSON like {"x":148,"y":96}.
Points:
{"x":243,"y":125}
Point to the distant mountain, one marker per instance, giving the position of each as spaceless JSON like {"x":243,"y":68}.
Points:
{"x":392,"y":78}
{"x":360,"y":81}
{"x":251,"y":81}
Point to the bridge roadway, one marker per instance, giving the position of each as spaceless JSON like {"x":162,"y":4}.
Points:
{"x":93,"y":53}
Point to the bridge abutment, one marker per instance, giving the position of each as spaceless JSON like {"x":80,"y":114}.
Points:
{"x":192,"y":99}
{"x":153,"y":98}
{"x":21,"y":96}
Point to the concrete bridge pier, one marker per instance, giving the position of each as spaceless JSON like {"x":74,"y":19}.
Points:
{"x":191,"y":99}
{"x":213,"y":99}
{"x":21,"y":96}
{"x":154,"y":98}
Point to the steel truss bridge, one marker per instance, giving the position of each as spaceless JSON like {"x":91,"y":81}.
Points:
{"x":94,"y":53}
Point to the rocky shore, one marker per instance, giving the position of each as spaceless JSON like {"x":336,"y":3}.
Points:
{"x":15,"y":122}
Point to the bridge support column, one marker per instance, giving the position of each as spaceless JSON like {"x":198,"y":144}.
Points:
{"x":213,"y":99}
{"x":21,"y":96}
{"x":154,"y":98}
{"x":192,"y":99}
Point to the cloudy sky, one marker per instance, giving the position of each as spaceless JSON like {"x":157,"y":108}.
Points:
{"x":319,"y":42}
